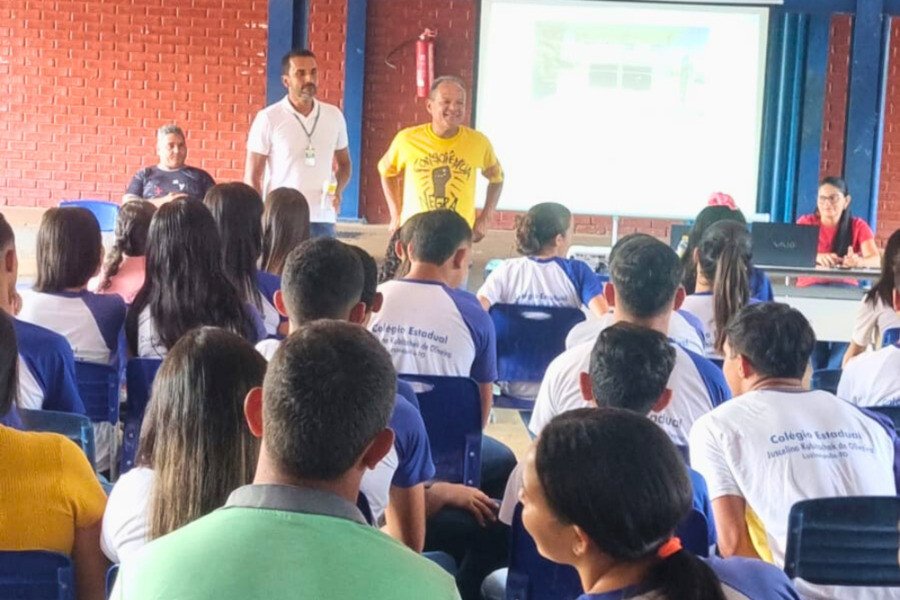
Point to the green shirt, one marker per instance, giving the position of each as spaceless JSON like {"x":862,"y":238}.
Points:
{"x":280,"y":542}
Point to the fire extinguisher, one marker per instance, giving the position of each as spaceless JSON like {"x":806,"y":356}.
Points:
{"x":425,"y":62}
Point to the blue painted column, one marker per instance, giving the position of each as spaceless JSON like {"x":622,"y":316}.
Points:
{"x":288,"y":29}
{"x":354,"y":84}
{"x":810,"y":157}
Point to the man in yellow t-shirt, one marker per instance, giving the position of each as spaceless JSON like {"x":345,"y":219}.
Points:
{"x":438,"y":162}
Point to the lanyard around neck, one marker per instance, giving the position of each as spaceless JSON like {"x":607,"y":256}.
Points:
{"x":309,"y":132}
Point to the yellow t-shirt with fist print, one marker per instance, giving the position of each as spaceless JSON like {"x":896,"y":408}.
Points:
{"x":439,"y":172}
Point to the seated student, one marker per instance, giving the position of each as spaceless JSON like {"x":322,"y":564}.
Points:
{"x":644,"y":286}
{"x":123,"y":269}
{"x":615,"y":524}
{"x":873,"y":379}
{"x":684,"y":328}
{"x":876,"y":313}
{"x":776,"y":442}
{"x":723,"y":281}
{"x":195,"y":446}
{"x":285,"y":225}
{"x":69,"y":253}
{"x":186,"y":286}
{"x":238,"y":209}
{"x":51,"y":498}
{"x":629,"y":369}
{"x":46,"y":361}
{"x":327,"y":279}
{"x":296,"y":532}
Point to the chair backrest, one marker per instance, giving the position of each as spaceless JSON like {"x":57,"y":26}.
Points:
{"x":139,"y":375}
{"x":407,"y":391}
{"x":98,"y":386}
{"x":105,"y":212}
{"x":451,"y":410}
{"x":891,"y":412}
{"x":891,"y":336}
{"x":826,"y":380}
{"x":529,"y":337}
{"x":844,"y":541}
{"x":77,"y":428}
{"x":36,"y":574}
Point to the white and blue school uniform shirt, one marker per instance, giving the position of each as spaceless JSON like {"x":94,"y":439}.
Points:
{"x":268,"y":284}
{"x":740,"y":578}
{"x":432,"y":329}
{"x":149,"y":345}
{"x":685,"y":329}
{"x":91,"y":323}
{"x":701,"y":306}
{"x":407,"y":464}
{"x":873,"y":378}
{"x":46,"y":370}
{"x":774,"y":448}
{"x":542,"y":282}
{"x":697,"y":387}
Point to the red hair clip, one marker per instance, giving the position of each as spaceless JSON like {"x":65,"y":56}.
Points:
{"x":673,"y":546}
{"x":722,"y":199}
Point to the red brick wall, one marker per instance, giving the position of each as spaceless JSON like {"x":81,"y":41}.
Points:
{"x":889,"y":187}
{"x":85,"y":83}
{"x":327,"y":35}
{"x":836,"y":86}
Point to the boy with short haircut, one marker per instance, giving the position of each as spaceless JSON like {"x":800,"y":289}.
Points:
{"x":324,"y":278}
{"x":873,"y":379}
{"x":296,"y":531}
{"x":777,"y":443}
{"x":644,"y":287}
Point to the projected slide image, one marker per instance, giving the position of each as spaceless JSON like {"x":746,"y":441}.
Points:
{"x":622,"y":109}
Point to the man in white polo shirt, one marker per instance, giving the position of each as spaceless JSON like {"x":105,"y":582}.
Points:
{"x":644,"y":287}
{"x":297,"y":141}
{"x":777,"y":443}
{"x":873,"y":379}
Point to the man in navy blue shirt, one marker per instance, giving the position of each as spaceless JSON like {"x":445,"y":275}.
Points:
{"x":171,"y":179}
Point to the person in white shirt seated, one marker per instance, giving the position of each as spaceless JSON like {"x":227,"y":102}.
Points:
{"x":876,"y":312}
{"x":723,"y":281}
{"x":185,"y":284}
{"x":777,"y":443}
{"x":615,"y":524}
{"x":324,"y":278}
{"x":644,"y":287}
{"x":685,"y":329}
{"x":873,"y":379}
{"x":195,"y":446}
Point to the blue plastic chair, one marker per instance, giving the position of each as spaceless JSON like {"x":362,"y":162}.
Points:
{"x":407,"y":391}
{"x":451,"y":410}
{"x":98,"y":386}
{"x":826,"y":380}
{"x":891,"y":412}
{"x":891,"y":336}
{"x":528,"y":339}
{"x":105,"y":212}
{"x":36,"y":575}
{"x":77,"y":428}
{"x":845,"y":541}
{"x":139,"y":375}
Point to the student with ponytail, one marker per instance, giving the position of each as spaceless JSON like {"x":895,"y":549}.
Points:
{"x":544,"y":276}
{"x":124,"y":267}
{"x":722,"y":260}
{"x":604,"y":490}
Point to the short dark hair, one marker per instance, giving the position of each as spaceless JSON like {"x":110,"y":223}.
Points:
{"x":7,"y":237}
{"x":775,"y":338}
{"x":295,"y":53}
{"x":436,"y":235}
{"x":322,"y":279}
{"x":69,"y":249}
{"x":9,"y":363}
{"x":630,"y":367}
{"x":646,"y":274}
{"x":328,"y":391}
{"x":370,"y":276}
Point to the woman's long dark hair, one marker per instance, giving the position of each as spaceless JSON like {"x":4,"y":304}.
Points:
{"x":185,"y":285}
{"x":843,"y":239}
{"x":9,"y":364}
{"x":884,"y":287}
{"x":69,"y":249}
{"x":618,"y":477}
{"x":132,"y":226}
{"x":723,"y":256}
{"x":237,"y":210}
{"x":705,"y":218}
{"x":285,"y":225}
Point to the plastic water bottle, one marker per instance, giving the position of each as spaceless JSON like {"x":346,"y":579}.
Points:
{"x":329,"y":189}
{"x":682,"y":246}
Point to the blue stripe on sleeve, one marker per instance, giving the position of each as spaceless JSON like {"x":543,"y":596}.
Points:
{"x":49,"y":357}
{"x":713,"y":379}
{"x":587,"y":283}
{"x":481,"y":328}
{"x":888,"y":426}
{"x":415,"y":464}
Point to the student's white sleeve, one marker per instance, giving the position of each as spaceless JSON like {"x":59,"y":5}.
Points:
{"x":492,"y":288}
{"x":544,"y":409}
{"x":708,"y":458}
{"x":846,"y":389}
{"x":511,"y":496}
{"x":866,"y":321}
{"x":259,"y":139}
